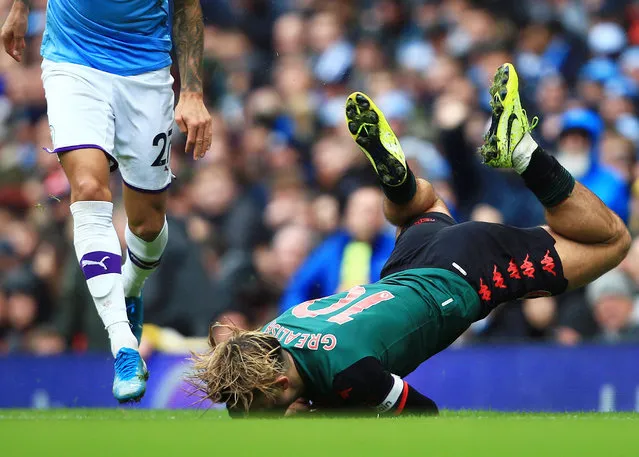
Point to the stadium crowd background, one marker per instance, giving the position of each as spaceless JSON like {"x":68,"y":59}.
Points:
{"x":284,"y":208}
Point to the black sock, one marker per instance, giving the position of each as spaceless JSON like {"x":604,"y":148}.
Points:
{"x":403,"y":193}
{"x":548,"y":179}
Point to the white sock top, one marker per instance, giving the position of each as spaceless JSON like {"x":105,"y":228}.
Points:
{"x":523,"y":152}
{"x":142,"y":259}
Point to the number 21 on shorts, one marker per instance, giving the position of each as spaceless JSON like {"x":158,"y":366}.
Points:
{"x":302,"y":310}
{"x":164,"y":141}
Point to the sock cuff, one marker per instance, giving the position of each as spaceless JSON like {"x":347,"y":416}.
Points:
{"x":548,"y":179}
{"x":403,"y":193}
{"x":146,"y":254}
{"x":82,"y":208}
{"x":565,"y":184}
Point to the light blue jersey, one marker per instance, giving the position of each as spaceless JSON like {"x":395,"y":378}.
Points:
{"x":123,"y":37}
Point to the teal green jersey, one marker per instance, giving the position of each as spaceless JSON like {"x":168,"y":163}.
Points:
{"x":400,"y":321}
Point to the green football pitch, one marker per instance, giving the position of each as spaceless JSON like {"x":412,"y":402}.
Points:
{"x":125,"y":432}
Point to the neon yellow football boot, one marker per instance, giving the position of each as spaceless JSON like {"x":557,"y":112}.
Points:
{"x":376,"y":139}
{"x":509,"y":122}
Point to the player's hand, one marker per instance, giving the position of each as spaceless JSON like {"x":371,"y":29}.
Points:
{"x":14,"y":30}
{"x":194,"y":120}
{"x":298,"y":406}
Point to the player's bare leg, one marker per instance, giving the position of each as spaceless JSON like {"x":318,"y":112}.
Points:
{"x":98,"y":250}
{"x":405,"y":196}
{"x":590,"y":238}
{"x":88,"y":173}
{"x":425,"y":200}
{"x":146,"y":237}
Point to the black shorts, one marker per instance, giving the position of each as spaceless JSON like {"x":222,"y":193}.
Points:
{"x":502,"y":263}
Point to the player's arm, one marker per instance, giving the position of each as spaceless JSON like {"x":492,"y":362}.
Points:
{"x":366,"y":384}
{"x":191,"y":114}
{"x":15,"y":28}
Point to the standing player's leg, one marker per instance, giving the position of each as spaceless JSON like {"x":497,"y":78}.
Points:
{"x":82,"y":126}
{"x":590,"y":238}
{"x":96,"y":242}
{"x":146,"y":235}
{"x":143,"y":129}
{"x":405,"y":196}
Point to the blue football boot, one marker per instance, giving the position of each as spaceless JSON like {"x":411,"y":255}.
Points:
{"x":129,"y":382}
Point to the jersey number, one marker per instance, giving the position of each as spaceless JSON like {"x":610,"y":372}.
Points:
{"x":302,"y":310}
{"x":163,"y":156}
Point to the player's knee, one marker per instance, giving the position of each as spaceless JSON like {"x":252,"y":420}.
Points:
{"x":620,"y":240}
{"x":90,"y":189}
{"x":624,"y":241}
{"x":147,"y":229}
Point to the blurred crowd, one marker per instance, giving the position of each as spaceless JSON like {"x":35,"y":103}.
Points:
{"x":284,"y":208}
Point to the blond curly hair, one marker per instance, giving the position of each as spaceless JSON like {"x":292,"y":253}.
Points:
{"x":234,"y":370}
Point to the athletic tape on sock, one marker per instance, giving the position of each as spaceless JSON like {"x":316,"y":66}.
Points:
{"x":548,"y":179}
{"x":403,"y":193}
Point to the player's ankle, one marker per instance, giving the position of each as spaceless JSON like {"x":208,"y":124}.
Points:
{"x":121,"y":336}
{"x":132,"y":286}
{"x":404,"y":193}
{"x":523,"y":153}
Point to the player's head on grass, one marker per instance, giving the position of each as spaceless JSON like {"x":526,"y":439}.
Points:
{"x":249,"y":371}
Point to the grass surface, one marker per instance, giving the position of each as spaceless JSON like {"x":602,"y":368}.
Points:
{"x":123,"y":432}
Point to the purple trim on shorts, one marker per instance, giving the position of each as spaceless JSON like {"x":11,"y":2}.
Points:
{"x":146,"y":191}
{"x":98,"y":263}
{"x":113,"y":163}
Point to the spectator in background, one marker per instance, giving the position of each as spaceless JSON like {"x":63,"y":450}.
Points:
{"x":425,"y":161}
{"x":629,"y":63}
{"x":249,"y":287}
{"x":27,"y":305}
{"x":353,"y":255}
{"x":619,"y":99}
{"x":578,"y":152}
{"x":592,"y":78}
{"x":550,"y":98}
{"x":44,"y":340}
{"x":618,"y":154}
{"x":232,"y":214}
{"x":332,"y":54}
{"x":611,"y":299}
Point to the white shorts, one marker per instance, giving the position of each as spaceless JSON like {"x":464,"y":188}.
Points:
{"x":130,"y":118}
